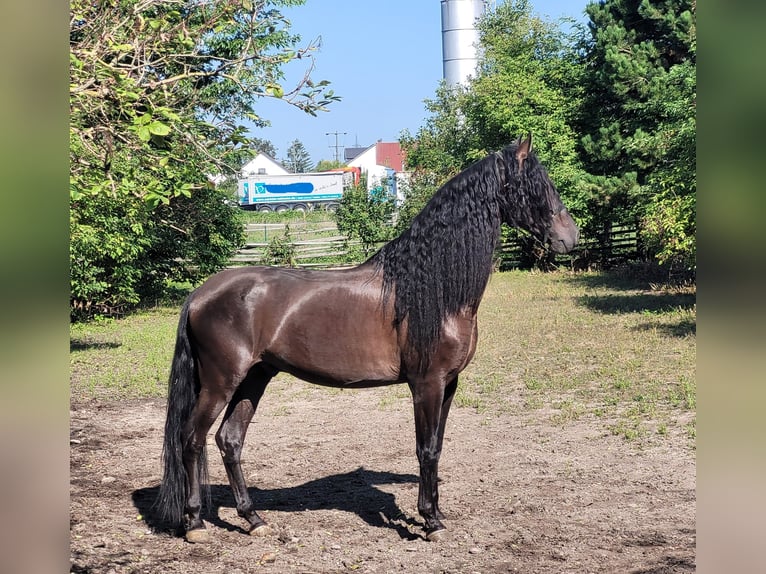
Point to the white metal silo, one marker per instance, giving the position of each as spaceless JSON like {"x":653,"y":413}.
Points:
{"x":460,"y":39}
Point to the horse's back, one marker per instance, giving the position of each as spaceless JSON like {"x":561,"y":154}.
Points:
{"x":324,"y":326}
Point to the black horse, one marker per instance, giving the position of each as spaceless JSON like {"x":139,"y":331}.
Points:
{"x":408,"y":314}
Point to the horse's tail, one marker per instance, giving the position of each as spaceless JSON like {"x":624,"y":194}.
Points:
{"x":183,"y":390}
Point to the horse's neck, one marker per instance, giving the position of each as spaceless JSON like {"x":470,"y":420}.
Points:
{"x":473,"y":267}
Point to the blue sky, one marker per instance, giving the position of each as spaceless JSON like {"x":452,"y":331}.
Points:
{"x":383,"y":58}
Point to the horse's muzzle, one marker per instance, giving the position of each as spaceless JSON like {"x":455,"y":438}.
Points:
{"x":564,"y":233}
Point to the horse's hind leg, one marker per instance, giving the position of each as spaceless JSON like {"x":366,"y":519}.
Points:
{"x":209,"y":405}
{"x":231,"y":437}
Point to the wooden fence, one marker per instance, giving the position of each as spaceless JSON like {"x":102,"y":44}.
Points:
{"x":316,"y":244}
{"x":616,"y":246}
{"x":320,"y":245}
{"x":307,"y":253}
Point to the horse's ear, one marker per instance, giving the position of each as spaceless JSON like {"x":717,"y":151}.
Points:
{"x":524,"y":149}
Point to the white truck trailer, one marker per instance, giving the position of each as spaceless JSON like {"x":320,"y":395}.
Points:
{"x":298,"y":191}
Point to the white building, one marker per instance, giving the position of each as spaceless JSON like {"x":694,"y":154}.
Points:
{"x":263,"y":164}
{"x":380,"y":160}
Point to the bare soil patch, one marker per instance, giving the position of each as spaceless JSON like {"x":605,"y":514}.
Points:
{"x":335,"y":474}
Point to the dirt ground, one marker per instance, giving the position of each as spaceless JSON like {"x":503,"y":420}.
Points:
{"x":335,"y":475}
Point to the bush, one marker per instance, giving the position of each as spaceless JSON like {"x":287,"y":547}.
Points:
{"x":123,"y":252}
{"x":280,"y":250}
{"x":366,"y":217}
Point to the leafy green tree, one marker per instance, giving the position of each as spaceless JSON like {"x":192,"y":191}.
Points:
{"x":365,"y":217}
{"x":328,"y":164}
{"x":108,"y":240}
{"x":156,"y":79}
{"x":158,"y":94}
{"x":298,"y":159}
{"x":123,"y":252}
{"x":669,"y":217}
{"x":639,"y":120}
{"x":528,"y":81}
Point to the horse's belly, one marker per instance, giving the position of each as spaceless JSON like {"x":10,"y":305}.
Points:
{"x":349,"y":347}
{"x":337,"y":367}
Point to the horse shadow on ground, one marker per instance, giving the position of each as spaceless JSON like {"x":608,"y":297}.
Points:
{"x":353,"y":492}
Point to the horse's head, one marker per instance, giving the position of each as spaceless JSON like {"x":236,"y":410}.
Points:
{"x":529,"y":200}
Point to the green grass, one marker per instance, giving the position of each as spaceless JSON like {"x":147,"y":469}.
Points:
{"x":299,"y":231}
{"x":557,"y":347}
{"x":123,"y":358}
{"x":285,"y":217}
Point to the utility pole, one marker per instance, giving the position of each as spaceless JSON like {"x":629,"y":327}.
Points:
{"x":336,"y":146}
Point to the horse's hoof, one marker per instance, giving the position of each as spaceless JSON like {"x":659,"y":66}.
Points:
{"x":437,"y":535}
{"x":261,"y":530}
{"x":198,"y":536}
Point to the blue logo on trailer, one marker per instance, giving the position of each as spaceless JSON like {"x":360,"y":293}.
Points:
{"x":299,"y":188}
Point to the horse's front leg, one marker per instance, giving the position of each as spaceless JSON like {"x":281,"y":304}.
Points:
{"x":449,"y":394}
{"x":429,"y":401}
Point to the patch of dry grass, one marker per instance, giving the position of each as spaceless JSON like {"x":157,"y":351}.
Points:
{"x":586,"y":344}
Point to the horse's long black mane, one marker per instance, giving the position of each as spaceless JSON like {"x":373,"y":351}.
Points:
{"x":441,"y":264}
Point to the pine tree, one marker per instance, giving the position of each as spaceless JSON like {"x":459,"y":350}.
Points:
{"x":260,"y":145}
{"x":639,"y":113}
{"x":635,"y":45}
{"x":298,"y":158}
